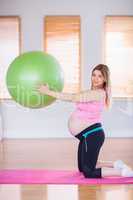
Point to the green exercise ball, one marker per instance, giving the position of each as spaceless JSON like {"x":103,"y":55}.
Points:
{"x":29,"y":70}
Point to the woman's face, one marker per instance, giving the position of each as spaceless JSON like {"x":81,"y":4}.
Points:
{"x":97,"y":79}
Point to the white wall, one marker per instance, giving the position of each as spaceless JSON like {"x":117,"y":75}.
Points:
{"x":22,"y":122}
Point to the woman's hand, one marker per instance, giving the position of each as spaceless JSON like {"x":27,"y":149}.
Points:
{"x":43,"y":88}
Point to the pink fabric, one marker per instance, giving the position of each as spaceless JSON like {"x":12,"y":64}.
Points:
{"x":90,"y":112}
{"x":54,"y":177}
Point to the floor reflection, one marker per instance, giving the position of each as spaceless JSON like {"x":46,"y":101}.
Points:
{"x":66,"y":192}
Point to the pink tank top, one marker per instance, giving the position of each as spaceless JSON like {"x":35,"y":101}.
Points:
{"x":91,"y":111}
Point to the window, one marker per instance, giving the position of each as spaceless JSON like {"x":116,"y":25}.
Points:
{"x":9,"y":48}
{"x":119,"y":54}
{"x":62,"y":40}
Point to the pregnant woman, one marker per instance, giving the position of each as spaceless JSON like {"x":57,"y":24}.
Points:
{"x":85,"y":124}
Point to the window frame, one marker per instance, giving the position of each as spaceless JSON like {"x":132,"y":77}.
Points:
{"x":19,"y":42}
{"x":104,"y":53}
{"x":45,"y":46}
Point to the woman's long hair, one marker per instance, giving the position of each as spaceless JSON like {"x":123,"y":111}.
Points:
{"x":107,"y":84}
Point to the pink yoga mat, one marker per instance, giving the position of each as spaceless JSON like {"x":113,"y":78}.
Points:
{"x":55,"y":177}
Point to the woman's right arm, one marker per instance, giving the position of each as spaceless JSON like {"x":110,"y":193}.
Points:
{"x":83,"y":96}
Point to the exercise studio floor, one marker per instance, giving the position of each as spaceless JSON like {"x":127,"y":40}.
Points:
{"x":60,"y":154}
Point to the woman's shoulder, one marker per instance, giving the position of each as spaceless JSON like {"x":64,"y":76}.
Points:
{"x":101,"y":93}
{"x":96,"y":94}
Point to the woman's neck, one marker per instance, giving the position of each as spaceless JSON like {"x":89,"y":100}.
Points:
{"x":97,"y":88}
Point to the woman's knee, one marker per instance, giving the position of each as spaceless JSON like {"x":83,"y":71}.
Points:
{"x":91,"y":173}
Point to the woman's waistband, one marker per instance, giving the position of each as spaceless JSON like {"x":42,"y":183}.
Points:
{"x":92,"y":128}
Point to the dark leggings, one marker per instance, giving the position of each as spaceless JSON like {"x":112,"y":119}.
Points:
{"x":88,"y":150}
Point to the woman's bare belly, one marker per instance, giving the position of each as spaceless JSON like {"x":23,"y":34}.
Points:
{"x":76,"y":125}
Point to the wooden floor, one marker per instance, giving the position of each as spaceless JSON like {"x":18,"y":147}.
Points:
{"x":60,"y":154}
